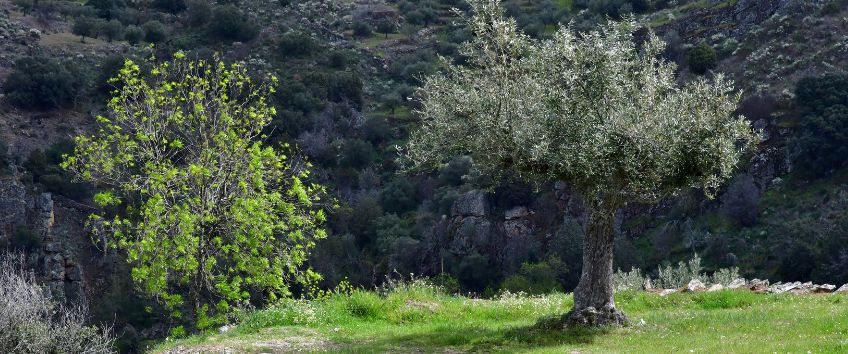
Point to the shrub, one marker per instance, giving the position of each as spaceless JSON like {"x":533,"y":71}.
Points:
{"x":113,"y":30}
{"x":534,"y":279}
{"x":823,"y":139}
{"x":199,"y":12}
{"x":361,"y":29}
{"x":107,"y":9}
{"x":740,"y":202}
{"x":32,"y":322}
{"x":40,"y":82}
{"x":632,"y":280}
{"x":154,"y":31}
{"x":133,"y":35}
{"x":230,"y":24}
{"x":676,"y":277}
{"x":364,"y":304}
{"x":702,"y":58}
{"x":725,"y":276}
{"x":296,"y":44}
{"x":45,"y":170}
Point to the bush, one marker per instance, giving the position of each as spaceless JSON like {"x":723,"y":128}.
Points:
{"x":107,"y":9}
{"x":41,"y":82}
{"x":365,"y":305}
{"x":361,"y":29}
{"x":113,"y":30}
{"x":535,"y":279}
{"x":823,"y":140}
{"x":702,"y":58}
{"x":32,"y":322}
{"x":133,"y":35}
{"x":199,"y":12}
{"x":676,"y":277}
{"x":230,"y":24}
{"x":45,"y":170}
{"x":154,"y":31}
{"x":632,"y":280}
{"x":296,"y":44}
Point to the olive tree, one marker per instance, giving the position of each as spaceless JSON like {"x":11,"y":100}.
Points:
{"x":209,"y":211}
{"x":596,"y":110}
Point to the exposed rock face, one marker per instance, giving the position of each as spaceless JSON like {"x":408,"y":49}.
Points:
{"x":516,"y":223}
{"x":473,"y":203}
{"x":842,"y":289}
{"x":21,"y":210}
{"x":732,"y":21}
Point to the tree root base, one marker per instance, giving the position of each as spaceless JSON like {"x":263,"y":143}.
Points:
{"x":592,"y":317}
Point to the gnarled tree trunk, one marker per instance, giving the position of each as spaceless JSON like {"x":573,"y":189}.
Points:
{"x":593,"y":297}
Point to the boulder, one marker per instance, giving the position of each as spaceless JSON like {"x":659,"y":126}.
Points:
{"x":737,"y":283}
{"x":758,"y":286}
{"x":842,"y":289}
{"x":824,"y":288}
{"x":715,"y":287}
{"x":779,"y":288}
{"x":695,"y":285}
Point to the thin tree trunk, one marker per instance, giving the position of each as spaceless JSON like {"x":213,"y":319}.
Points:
{"x":593,"y":297}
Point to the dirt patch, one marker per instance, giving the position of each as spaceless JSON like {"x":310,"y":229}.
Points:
{"x":282,"y":340}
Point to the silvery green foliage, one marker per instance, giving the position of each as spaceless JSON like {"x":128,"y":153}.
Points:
{"x":675,"y":277}
{"x":593,"y":109}
{"x":32,"y":322}
{"x":725,"y":276}
{"x":632,"y":280}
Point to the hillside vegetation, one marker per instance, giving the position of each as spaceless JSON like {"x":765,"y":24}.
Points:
{"x":420,"y":318}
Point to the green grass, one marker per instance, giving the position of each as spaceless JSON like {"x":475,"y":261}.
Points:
{"x":421,"y":319}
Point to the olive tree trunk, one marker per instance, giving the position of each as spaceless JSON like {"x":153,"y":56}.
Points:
{"x":593,"y":297}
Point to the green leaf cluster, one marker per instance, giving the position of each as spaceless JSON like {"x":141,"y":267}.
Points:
{"x":207,"y":214}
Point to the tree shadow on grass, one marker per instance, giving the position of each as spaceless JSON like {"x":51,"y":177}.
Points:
{"x":460,"y":337}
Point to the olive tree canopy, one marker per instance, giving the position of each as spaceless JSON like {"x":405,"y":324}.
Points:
{"x":597,"y":110}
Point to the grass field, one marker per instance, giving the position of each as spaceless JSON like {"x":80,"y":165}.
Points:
{"x":420,"y":319}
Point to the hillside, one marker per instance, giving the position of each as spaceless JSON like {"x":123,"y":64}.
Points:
{"x":347,"y":99}
{"x":421,"y":319}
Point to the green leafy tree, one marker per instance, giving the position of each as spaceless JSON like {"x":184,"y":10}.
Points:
{"x":133,"y":34}
{"x":208,"y":210}
{"x":85,"y":26}
{"x":230,"y":24}
{"x":112,"y":29}
{"x":154,"y":31}
{"x":386,"y":26}
{"x":591,"y":109}
{"x":361,"y":29}
{"x":702,"y":58}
